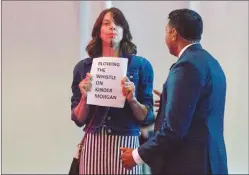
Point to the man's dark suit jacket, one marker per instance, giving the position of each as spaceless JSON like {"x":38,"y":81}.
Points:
{"x":189,"y":128}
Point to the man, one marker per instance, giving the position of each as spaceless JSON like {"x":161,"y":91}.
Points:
{"x":189,"y":127}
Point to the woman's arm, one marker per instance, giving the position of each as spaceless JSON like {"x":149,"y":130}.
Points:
{"x":140,"y":111}
{"x":142,"y":105}
{"x":80,"y":110}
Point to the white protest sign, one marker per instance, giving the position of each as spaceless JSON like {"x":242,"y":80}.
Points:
{"x":107,"y":73}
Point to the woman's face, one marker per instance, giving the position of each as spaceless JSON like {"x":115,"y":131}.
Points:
{"x":110,"y":33}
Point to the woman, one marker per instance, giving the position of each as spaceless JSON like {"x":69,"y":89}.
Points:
{"x":108,"y":128}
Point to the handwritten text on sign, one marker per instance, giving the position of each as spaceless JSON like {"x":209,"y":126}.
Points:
{"x":107,"y":73}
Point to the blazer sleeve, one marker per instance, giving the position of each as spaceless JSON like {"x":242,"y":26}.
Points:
{"x":183,"y":89}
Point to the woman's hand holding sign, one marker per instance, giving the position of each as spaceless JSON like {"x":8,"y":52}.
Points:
{"x":128,"y":89}
{"x":85,"y":85}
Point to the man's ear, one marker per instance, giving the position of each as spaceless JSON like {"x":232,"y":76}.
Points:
{"x":174,"y":34}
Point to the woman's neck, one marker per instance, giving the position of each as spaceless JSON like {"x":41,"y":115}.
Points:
{"x":110,"y":51}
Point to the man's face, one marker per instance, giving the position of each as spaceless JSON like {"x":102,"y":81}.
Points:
{"x":170,"y":38}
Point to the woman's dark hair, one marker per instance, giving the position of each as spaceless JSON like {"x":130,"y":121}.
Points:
{"x":188,"y":24}
{"x":94,"y":48}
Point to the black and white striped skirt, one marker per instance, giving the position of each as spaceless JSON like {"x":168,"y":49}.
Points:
{"x":101,"y":154}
